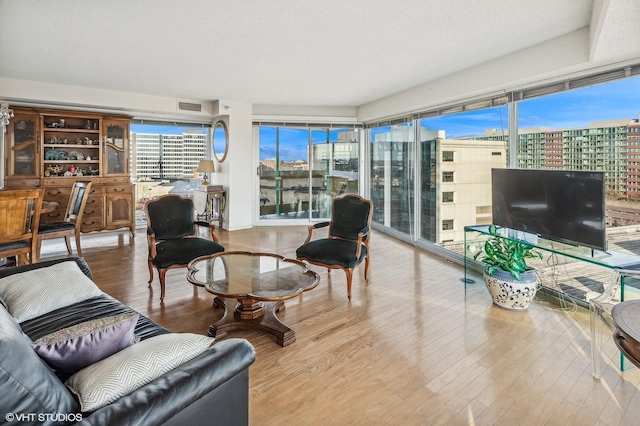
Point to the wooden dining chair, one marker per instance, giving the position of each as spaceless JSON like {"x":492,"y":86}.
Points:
{"x":19,"y":219}
{"x":72,"y":221}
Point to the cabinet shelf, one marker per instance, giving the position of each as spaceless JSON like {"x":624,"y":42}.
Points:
{"x":69,"y":145}
{"x":71,"y":161}
{"x":68,"y":130}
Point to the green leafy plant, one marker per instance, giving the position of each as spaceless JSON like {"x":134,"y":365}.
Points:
{"x":502,"y":253}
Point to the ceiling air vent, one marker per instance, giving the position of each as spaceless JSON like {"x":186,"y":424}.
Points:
{"x":188,"y":106}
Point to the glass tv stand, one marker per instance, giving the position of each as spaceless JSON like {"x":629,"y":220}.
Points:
{"x":618,"y":273}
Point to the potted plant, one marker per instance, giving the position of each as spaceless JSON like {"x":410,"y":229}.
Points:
{"x":511,"y":283}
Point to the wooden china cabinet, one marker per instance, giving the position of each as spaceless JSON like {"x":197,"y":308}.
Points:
{"x":51,"y":149}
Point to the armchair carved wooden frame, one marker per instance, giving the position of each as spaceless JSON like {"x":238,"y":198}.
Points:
{"x":347,"y":244}
{"x":173,"y":237}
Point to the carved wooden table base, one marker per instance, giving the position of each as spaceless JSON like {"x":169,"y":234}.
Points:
{"x":253,"y":314}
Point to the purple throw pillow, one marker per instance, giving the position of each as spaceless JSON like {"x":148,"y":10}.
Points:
{"x":71,"y":349}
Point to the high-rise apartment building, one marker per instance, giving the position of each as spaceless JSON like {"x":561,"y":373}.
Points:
{"x":611,"y":146}
{"x":145,"y":155}
{"x":167,"y":156}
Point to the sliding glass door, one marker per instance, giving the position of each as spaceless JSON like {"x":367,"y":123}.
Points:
{"x":302,"y":170}
{"x":431,"y":177}
{"x":392,"y":153}
{"x":457,"y":153}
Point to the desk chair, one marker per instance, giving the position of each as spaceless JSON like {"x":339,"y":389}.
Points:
{"x":20,"y":217}
{"x":72,"y":221}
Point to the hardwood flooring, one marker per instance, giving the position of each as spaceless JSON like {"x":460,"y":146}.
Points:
{"x":411,"y":348}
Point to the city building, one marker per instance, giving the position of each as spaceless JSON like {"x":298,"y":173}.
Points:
{"x":455,"y":188}
{"x":611,"y":146}
{"x":162,"y":156}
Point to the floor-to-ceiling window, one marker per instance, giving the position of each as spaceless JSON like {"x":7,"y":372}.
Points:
{"x":452,"y":168}
{"x":456,"y":158}
{"x":302,"y":169}
{"x":592,"y":128}
{"x":164,"y":159}
{"x":595,"y":127}
{"x":430,"y":177}
{"x":392,"y":175}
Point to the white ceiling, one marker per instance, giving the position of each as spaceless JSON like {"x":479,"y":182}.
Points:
{"x":290,"y":52}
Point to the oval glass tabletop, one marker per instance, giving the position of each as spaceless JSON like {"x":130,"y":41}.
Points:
{"x":260,"y":276}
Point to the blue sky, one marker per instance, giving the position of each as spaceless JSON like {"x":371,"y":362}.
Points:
{"x":566,"y":110}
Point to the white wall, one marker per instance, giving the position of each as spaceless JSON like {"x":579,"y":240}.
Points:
{"x":304,"y":114}
{"x":237,"y":173}
{"x":21,"y":92}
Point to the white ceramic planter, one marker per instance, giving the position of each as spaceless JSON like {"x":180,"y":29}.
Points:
{"x":509,"y":293}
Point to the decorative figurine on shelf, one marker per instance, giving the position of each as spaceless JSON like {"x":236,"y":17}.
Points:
{"x":51,"y":154}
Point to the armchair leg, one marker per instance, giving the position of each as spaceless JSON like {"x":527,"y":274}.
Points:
{"x":366,"y":268}
{"x":349,"y":273}
{"x":150,"y":271}
{"x":161,"y":275}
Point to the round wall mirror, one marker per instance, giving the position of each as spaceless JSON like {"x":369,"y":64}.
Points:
{"x":220,"y":141}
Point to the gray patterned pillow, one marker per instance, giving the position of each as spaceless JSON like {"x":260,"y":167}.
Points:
{"x":123,"y":372}
{"x":39,"y":291}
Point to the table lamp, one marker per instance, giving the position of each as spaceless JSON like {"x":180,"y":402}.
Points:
{"x":206,"y":166}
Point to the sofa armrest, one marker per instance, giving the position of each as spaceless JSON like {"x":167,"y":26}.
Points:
{"x":173,"y":393}
{"x":84,"y":267}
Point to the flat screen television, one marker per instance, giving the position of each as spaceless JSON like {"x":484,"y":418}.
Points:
{"x":561,"y":205}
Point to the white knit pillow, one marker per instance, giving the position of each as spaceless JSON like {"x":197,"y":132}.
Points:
{"x":39,"y":291}
{"x":123,"y":372}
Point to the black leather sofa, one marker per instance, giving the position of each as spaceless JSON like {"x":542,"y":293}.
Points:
{"x":212,"y":388}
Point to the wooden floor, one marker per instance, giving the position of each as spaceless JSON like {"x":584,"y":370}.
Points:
{"x":411,"y":348}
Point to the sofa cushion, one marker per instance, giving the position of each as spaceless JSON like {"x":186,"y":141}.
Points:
{"x":97,"y":307}
{"x":28,"y":384}
{"x":33,"y":293}
{"x":121,"y":373}
{"x":71,"y":349}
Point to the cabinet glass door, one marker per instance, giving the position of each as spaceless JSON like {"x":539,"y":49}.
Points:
{"x":22,"y":146}
{"x":116,"y":147}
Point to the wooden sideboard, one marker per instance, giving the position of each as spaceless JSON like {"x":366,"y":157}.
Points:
{"x":51,"y":149}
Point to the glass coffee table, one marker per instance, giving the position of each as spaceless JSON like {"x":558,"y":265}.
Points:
{"x":261,"y":282}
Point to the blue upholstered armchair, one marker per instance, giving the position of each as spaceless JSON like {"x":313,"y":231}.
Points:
{"x":347,"y":244}
{"x":172,"y":235}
